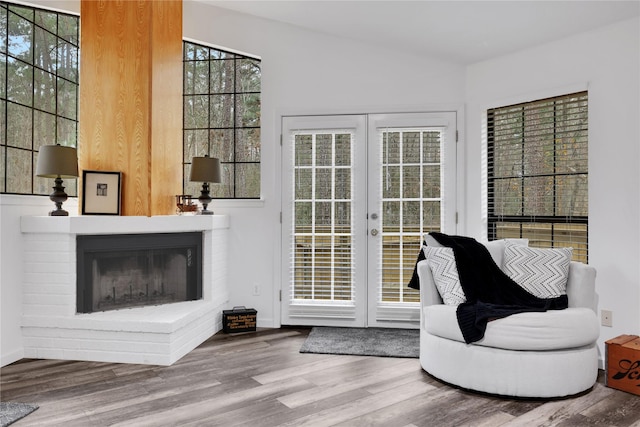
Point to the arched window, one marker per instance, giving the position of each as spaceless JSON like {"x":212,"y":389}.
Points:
{"x":222,"y":118}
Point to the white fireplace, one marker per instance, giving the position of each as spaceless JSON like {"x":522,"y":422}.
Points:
{"x":153,"y":334}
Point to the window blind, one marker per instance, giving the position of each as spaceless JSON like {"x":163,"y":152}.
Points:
{"x":322,"y":258}
{"x":537,"y":172}
{"x":410,"y":197}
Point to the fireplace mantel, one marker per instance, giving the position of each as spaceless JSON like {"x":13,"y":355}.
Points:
{"x":122,"y":224}
{"x":151,"y":335}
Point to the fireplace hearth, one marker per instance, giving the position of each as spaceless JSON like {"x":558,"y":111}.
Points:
{"x":132,"y":270}
{"x":161,"y":334}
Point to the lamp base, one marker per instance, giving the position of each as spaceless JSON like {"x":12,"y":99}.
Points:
{"x":59,"y":212}
{"x":58,"y":197}
{"x":205,"y":199}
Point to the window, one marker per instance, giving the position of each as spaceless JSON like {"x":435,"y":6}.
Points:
{"x":538,"y":172}
{"x":222,"y":118}
{"x":38,"y":93}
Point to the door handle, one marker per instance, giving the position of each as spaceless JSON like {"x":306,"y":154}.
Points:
{"x":374,"y":232}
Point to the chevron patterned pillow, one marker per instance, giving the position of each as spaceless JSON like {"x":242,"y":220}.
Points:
{"x":442,"y":264}
{"x":541,"y":272}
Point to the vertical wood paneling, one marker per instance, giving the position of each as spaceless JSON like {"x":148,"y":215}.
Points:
{"x":117,"y":113}
{"x":166,"y":112}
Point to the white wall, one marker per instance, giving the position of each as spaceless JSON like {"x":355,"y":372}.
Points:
{"x":306,"y":73}
{"x":607,"y":63}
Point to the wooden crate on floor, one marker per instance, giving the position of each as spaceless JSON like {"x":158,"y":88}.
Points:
{"x":622,"y":362}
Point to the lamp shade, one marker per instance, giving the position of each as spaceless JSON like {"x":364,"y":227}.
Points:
{"x":57,"y":161}
{"x":205,"y":169}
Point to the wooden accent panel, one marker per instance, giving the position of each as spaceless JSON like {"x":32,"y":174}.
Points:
{"x":166,"y":112}
{"x":129,"y":50}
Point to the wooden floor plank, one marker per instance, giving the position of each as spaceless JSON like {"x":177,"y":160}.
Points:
{"x":203,"y":406}
{"x":287,"y":415}
{"x":341,"y":385}
{"x":402,"y":412}
{"x":318,"y":364}
{"x":242,"y":416}
{"x":261,"y":379}
{"x":454,"y":409}
{"x":351,"y":410}
{"x":556,"y":412}
{"x":620,"y":409}
{"x":497,"y":419}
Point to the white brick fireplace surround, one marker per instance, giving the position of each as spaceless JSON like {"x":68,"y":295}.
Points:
{"x":158,"y":335}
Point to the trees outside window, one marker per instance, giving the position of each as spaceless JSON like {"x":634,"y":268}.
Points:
{"x":538,"y":172}
{"x":38,"y":92}
{"x":222,"y":118}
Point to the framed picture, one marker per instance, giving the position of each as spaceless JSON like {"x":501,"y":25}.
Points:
{"x":100,"y":193}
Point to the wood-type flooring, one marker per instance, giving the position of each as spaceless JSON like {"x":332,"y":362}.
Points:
{"x":261,"y":379}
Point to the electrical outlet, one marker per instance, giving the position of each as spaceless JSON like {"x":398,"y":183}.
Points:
{"x":606,"y":317}
{"x":256,"y":289}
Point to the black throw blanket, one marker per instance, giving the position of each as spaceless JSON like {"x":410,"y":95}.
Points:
{"x":490,"y":293}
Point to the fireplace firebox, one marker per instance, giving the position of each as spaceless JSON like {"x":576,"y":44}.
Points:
{"x":131,"y":270}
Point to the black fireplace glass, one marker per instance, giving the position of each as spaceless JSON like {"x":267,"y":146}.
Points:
{"x":118,"y":271}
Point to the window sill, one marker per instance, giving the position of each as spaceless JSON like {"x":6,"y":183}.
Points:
{"x":236,"y":203}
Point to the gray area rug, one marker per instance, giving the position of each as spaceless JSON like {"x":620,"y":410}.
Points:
{"x":363,"y":342}
{"x":11,"y":412}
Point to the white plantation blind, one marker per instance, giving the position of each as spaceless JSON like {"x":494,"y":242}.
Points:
{"x":537,"y":172}
{"x":321,"y":265}
{"x":410,"y":195}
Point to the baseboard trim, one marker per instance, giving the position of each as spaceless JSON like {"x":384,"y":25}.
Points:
{"x":14,"y":356}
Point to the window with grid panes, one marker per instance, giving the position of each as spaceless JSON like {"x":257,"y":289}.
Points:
{"x":38,"y":93}
{"x":222,"y":118}
{"x":537,"y":172}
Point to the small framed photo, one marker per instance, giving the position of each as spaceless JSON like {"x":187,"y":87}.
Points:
{"x":100,"y":193}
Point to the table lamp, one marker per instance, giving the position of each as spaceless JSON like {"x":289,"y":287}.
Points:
{"x":57,"y":161}
{"x":206,"y":170}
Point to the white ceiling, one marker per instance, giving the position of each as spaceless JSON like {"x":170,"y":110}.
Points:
{"x":463,"y":32}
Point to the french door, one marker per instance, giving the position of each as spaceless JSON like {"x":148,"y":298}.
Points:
{"x":358,"y":192}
